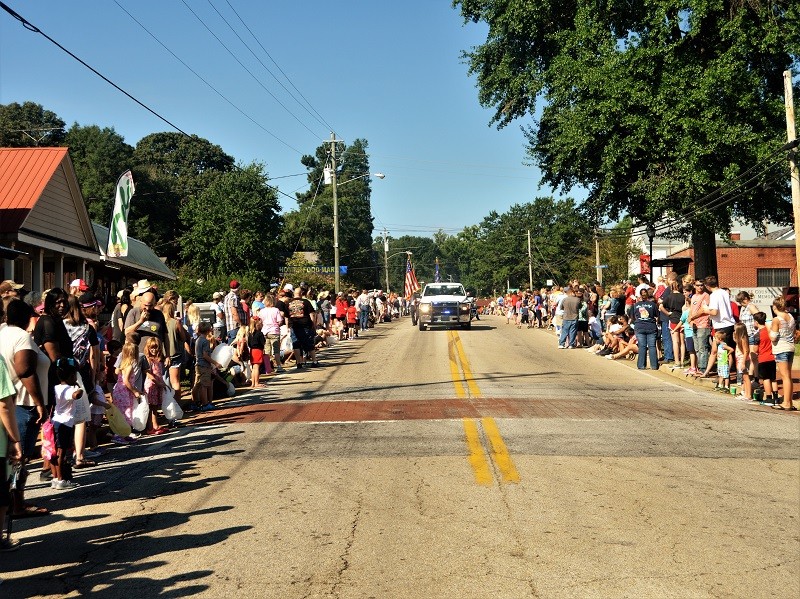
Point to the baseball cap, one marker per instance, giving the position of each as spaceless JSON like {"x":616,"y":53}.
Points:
{"x":88,"y":300}
{"x":216,"y":295}
{"x":234,"y":284}
{"x":80,"y":284}
{"x":288,"y":287}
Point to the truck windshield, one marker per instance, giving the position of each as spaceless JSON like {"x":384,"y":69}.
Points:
{"x":445,"y":290}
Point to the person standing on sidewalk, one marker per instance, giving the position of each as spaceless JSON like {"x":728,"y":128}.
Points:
{"x":699,"y":320}
{"x":235,"y":315}
{"x":645,"y":325}
{"x":569,"y":326}
{"x":719,"y":309}
{"x":782,"y":333}
{"x":362,"y":304}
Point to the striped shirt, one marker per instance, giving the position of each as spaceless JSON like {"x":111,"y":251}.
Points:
{"x":234,"y":306}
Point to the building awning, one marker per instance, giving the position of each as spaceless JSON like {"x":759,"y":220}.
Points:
{"x":140,"y":257}
{"x":678,"y":264}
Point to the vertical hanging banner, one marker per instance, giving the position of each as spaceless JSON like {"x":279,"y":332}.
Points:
{"x":437,"y":278}
{"x":118,"y":230}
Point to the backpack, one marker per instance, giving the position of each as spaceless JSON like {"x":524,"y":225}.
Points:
{"x":81,"y":348}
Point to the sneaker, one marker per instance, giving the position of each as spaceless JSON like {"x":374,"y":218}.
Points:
{"x":134,"y":435}
{"x":207,"y":407}
{"x":54,"y":483}
{"x":120,"y":440}
{"x":93,"y":453}
{"x":45,"y":475}
{"x":66,"y":485}
{"x":315,"y":364}
{"x":7,"y":545}
{"x":609,"y":357}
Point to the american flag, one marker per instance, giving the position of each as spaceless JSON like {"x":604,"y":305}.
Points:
{"x":411,"y":280}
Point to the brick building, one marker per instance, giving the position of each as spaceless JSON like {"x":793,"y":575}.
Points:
{"x":763,"y":262}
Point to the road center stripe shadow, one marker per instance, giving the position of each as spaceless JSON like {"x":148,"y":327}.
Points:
{"x":455,"y":374}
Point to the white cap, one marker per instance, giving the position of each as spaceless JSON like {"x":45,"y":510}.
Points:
{"x":288,"y":287}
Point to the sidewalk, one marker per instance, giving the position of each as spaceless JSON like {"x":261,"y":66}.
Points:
{"x":710,"y":382}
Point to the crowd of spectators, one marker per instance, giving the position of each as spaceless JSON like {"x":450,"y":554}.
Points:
{"x":693,"y":326}
{"x":71,"y":380}
{"x":66,"y":372}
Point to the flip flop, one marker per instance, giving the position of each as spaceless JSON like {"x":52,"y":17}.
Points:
{"x":31,"y":511}
{"x":85,"y":464}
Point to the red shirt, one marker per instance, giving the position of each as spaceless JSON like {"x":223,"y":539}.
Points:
{"x":352,"y":315}
{"x":765,"y":346}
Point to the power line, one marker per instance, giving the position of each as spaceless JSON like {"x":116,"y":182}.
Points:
{"x":201,"y":78}
{"x":31,"y":27}
{"x":249,"y":72}
{"x":318,"y":116}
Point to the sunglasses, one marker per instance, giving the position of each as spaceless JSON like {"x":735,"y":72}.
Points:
{"x":62,"y":362}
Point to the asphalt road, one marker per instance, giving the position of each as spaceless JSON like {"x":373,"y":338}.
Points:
{"x":436,"y":464}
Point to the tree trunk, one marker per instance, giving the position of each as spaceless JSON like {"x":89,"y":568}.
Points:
{"x":705,"y":251}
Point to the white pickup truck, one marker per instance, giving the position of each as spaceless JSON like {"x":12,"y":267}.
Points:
{"x":443,"y":304}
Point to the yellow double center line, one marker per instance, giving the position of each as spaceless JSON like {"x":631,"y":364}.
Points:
{"x":496,"y":447}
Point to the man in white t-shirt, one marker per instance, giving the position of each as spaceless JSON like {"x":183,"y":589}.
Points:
{"x":720,"y":312}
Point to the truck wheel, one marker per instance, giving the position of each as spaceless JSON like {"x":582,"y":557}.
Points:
{"x":421,"y":326}
{"x":466,"y":325}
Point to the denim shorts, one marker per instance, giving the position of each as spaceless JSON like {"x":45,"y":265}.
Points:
{"x":28,"y":429}
{"x":786,"y":356}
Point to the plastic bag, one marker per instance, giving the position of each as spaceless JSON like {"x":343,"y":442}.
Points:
{"x":222,"y":354}
{"x":82,"y":405}
{"x":172,"y":410}
{"x":140,"y":415}
{"x":116,"y":421}
{"x":231,"y":390}
{"x":48,"y":441}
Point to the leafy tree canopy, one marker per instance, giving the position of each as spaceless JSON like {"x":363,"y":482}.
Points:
{"x":310,"y":227}
{"x":29,"y":125}
{"x":233,"y":226}
{"x":650,"y":105}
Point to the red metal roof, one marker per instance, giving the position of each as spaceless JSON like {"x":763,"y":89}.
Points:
{"x":24,"y":173}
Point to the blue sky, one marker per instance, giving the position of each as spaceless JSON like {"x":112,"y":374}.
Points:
{"x":389,"y":72}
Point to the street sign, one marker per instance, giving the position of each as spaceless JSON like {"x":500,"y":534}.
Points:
{"x":342,"y":270}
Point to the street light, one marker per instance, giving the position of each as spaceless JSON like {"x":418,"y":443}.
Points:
{"x":333,"y":141}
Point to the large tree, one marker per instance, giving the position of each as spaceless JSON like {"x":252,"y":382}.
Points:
{"x":29,"y":125}
{"x":654,"y":106}
{"x":170,"y":170}
{"x":100,"y":156}
{"x":233,"y":226}
{"x":310,"y":227}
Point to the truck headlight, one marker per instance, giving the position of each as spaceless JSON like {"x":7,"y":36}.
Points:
{"x":425,"y":308}
{"x":465,"y":307}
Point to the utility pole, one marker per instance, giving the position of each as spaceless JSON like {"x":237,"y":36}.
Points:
{"x":530,"y":264}
{"x":335,"y":216}
{"x":791,"y":135}
{"x":386,"y":258}
{"x":597,"y":270}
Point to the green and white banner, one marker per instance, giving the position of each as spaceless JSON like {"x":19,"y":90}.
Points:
{"x":118,"y":231}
